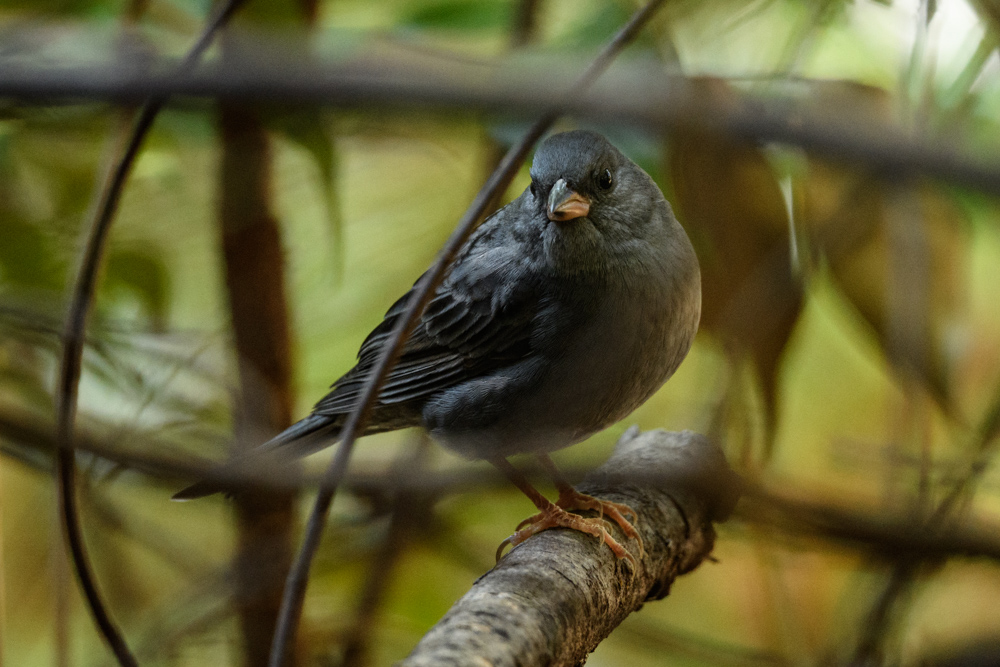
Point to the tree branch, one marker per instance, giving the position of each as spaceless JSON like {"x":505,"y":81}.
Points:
{"x":639,"y":94}
{"x":551,"y":600}
{"x":892,"y":535}
{"x":787,"y":506}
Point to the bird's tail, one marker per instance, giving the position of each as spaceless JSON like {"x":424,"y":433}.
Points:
{"x":300,"y":439}
{"x":305,"y":436}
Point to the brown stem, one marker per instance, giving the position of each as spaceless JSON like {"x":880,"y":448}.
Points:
{"x":525,"y":23}
{"x":254,"y":265}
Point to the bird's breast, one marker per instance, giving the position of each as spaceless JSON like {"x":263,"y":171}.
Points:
{"x":613,"y":350}
{"x":619,"y":358}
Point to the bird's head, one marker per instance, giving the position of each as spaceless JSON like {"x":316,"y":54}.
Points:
{"x":592,"y":201}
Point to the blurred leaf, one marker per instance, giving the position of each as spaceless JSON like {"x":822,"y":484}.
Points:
{"x":729,"y":200}
{"x":462,"y":15}
{"x":142,"y":275}
{"x":864,"y":273}
{"x":848,"y":215}
{"x":310,"y":129}
{"x":27,"y":255}
{"x":597,"y":27}
{"x":62,"y":8}
{"x":270,"y":14}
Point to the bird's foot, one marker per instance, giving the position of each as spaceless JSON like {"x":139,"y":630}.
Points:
{"x":554,"y":516}
{"x":570,"y":499}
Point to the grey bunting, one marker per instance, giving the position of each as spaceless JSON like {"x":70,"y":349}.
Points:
{"x":564,"y":312}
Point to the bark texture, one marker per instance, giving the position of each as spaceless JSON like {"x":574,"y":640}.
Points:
{"x":552,"y":599}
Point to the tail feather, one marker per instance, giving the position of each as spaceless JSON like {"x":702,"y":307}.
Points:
{"x":304,"y":437}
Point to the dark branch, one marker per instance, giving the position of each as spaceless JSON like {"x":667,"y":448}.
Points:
{"x":640,"y":93}
{"x":893,"y":536}
{"x":888,"y":536}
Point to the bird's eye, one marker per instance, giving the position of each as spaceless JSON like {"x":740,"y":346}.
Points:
{"x":604,"y":181}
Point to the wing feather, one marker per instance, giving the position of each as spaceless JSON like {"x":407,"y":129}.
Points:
{"x":480,"y":320}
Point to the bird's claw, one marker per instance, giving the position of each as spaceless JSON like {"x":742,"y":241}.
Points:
{"x":556,"y":516}
{"x":571,"y":499}
{"x":510,"y":541}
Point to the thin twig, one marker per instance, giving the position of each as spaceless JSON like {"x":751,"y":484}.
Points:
{"x":298,"y":577}
{"x":73,"y":342}
{"x":888,"y":537}
{"x":905,"y":571}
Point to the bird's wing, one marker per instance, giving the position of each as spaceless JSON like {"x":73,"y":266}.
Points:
{"x":479,"y":320}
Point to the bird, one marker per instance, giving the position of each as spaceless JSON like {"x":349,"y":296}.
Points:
{"x":562,"y":313}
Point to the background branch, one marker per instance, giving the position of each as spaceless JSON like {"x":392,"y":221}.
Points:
{"x":784,"y":505}
{"x":641,"y":93}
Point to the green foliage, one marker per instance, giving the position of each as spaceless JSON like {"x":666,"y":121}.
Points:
{"x":143,"y":277}
{"x":461,"y":15}
{"x":863,"y":373}
{"x":310,"y":128}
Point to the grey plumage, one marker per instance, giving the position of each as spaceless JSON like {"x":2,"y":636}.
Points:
{"x":545,"y":330}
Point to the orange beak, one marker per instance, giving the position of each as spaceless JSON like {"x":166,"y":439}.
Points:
{"x":564,"y":204}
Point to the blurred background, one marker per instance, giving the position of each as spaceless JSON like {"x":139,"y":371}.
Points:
{"x":848,"y":360}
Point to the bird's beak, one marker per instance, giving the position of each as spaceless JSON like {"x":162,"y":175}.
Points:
{"x":564,"y":204}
